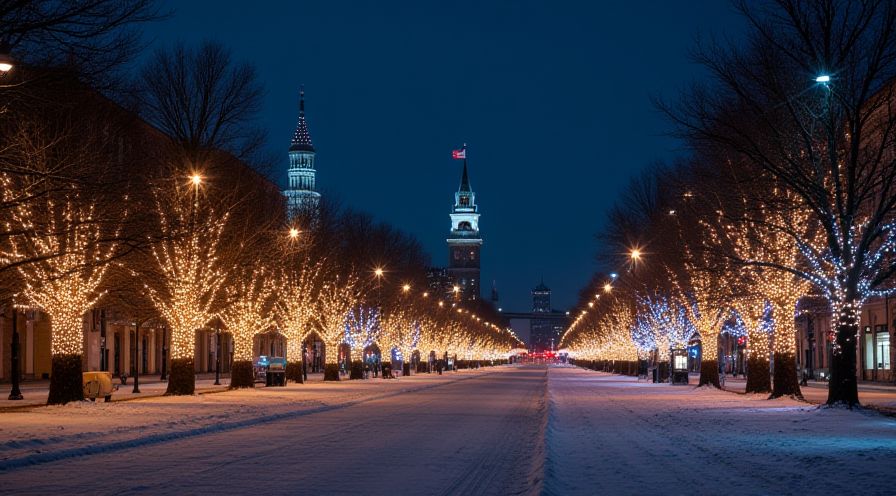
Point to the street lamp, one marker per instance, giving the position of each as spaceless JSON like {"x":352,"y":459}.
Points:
{"x":608,"y":287}
{"x":196,"y":179}
{"x":15,"y":393}
{"x":635,"y":255}
{"x":6,"y":60}
{"x":293,"y":233}
{"x":823,"y":79}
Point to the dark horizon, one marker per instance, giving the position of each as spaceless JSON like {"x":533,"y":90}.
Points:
{"x":552,"y":101}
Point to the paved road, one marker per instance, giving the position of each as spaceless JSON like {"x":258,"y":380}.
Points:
{"x":474,"y":435}
{"x":504,"y":431}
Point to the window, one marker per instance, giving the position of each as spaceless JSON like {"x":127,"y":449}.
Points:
{"x":464,"y":226}
{"x":883,"y":348}
{"x":869,"y":351}
{"x":465,"y":201}
{"x":681,"y":362}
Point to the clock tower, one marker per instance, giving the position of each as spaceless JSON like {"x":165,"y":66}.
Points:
{"x":464,"y":241}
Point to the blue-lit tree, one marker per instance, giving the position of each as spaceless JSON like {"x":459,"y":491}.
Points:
{"x":808,"y":100}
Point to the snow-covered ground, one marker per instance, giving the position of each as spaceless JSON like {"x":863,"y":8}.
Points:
{"x":469,"y":432}
{"x":614,"y":435}
{"x":507,"y":430}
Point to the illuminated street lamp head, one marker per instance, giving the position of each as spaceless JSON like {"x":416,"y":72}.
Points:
{"x":456,"y":289}
{"x":293,"y":233}
{"x":406,"y":288}
{"x":614,"y":275}
{"x":590,"y":304}
{"x":636,"y":254}
{"x":6,"y":62}
{"x":426,"y":294}
{"x":608,"y":287}
{"x":823,"y":79}
{"x":196,"y":179}
{"x":378,"y":272}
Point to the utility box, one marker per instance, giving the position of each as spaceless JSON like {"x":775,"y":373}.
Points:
{"x":679,"y":366}
{"x":97,"y":384}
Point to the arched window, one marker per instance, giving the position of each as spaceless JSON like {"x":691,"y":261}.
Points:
{"x":464,"y":226}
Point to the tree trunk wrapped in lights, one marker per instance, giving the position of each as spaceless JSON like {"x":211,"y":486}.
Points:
{"x":336,"y":298}
{"x":402,"y":334}
{"x":765,"y":253}
{"x":62,"y":279}
{"x":295,"y":307}
{"x":755,"y":314}
{"x":190,"y":276}
{"x":248,"y":314}
{"x":707,"y":319}
{"x":362,"y":327}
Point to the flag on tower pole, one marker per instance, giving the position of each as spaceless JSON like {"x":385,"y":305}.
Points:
{"x":459,"y":154}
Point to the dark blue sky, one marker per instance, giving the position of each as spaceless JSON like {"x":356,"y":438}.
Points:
{"x":553,"y":99}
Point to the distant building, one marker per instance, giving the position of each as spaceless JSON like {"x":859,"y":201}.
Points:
{"x":440,"y":282}
{"x":543,"y":325}
{"x":301,"y":195}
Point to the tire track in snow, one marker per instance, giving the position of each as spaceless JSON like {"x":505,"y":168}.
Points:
{"x":103,"y":448}
{"x":494,"y":460}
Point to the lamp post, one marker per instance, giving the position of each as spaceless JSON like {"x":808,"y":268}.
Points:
{"x":6,"y":61}
{"x":218,"y":354}
{"x":164,"y":375}
{"x":15,"y":393}
{"x":136,"y":389}
{"x":378,"y":274}
{"x":406,"y":360}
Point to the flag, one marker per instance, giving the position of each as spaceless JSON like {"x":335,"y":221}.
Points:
{"x":459,"y":154}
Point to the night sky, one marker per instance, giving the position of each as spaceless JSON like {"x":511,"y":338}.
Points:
{"x":552,"y":100}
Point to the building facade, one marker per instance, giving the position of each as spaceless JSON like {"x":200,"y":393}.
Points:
{"x":465,"y":242}
{"x":874,"y":354}
{"x":301,"y":195}
{"x":543,"y":325}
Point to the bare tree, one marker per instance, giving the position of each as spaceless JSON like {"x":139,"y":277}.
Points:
{"x":809,"y":99}
{"x":203,"y":100}
{"x":94,"y":36}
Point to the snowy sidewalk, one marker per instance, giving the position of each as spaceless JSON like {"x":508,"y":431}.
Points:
{"x":35,"y":392}
{"x":878,"y":395}
{"x":610,"y":434}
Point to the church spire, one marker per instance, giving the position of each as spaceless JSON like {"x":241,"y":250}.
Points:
{"x":465,"y":180}
{"x":301,"y":139}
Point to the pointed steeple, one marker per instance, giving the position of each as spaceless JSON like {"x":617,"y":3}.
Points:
{"x":301,"y":139}
{"x":465,"y":180}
